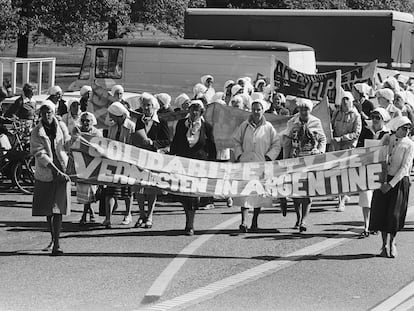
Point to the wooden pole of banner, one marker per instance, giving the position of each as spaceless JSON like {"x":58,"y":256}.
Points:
{"x":272,"y":74}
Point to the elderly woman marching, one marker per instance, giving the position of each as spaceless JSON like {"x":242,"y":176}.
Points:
{"x":51,"y":197}
{"x":376,"y":131}
{"x":389,"y":203}
{"x":152,"y":134}
{"x":193,"y":139}
{"x":86,"y":192}
{"x":255,"y":140}
{"x":304,"y":136}
{"x":121,"y":129}
{"x":347,"y":125}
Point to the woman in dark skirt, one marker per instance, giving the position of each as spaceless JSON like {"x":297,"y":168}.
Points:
{"x":389,"y":203}
{"x":193,"y":139}
{"x":51,"y":197}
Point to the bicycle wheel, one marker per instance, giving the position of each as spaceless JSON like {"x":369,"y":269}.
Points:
{"x":23,"y":175}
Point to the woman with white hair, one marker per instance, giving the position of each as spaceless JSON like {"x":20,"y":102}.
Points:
{"x":49,"y":143}
{"x":389,"y":203}
{"x":152,"y":133}
{"x":208,"y":82}
{"x":85,"y":193}
{"x":117,"y":92}
{"x":182,"y":102}
{"x":121,"y":129}
{"x":346,"y":125}
{"x":255,"y":140}
{"x":164,"y":102}
{"x":193,"y":139}
{"x":304,"y":136}
{"x":56,"y":96}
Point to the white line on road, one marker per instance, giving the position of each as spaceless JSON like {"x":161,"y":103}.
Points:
{"x":161,"y":283}
{"x":395,"y":300}
{"x":406,"y":305}
{"x":249,"y":275}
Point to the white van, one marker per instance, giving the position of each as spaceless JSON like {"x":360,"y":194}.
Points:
{"x":175,"y":66}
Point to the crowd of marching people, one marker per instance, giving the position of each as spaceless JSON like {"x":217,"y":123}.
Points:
{"x":57,"y":124}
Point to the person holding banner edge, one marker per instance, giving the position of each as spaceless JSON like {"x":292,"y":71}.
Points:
{"x":304,"y":136}
{"x":152,"y":134}
{"x":193,"y":139}
{"x":389,"y":203}
{"x":255,"y":140}
{"x":347,"y":126}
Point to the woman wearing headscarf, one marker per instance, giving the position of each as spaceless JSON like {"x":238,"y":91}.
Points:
{"x":164,"y":102}
{"x":361,"y":92}
{"x":259,"y":85}
{"x":86,"y":97}
{"x":278,"y":105}
{"x":193,"y":139}
{"x":117,"y":92}
{"x":72,"y":118}
{"x":389,"y":203}
{"x":199,"y":88}
{"x":121,"y":130}
{"x":56,"y":97}
{"x":304,"y":136}
{"x":227,"y":91}
{"x":376,"y":131}
{"x":182,"y":102}
{"x":208,"y":81}
{"x":386,"y":100}
{"x":400,"y":101}
{"x":49,"y":142}
{"x":85,"y":193}
{"x":152,"y":134}
{"x":346,"y":125}
{"x":255,"y":140}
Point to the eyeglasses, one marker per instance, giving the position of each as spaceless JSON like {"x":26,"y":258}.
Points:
{"x":86,"y":120}
{"x":406,"y":128}
{"x":375,"y":117}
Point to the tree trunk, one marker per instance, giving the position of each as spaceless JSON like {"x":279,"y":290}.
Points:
{"x":112,"y":29}
{"x":22,"y":45}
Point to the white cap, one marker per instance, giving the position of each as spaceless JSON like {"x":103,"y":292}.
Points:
{"x":54,"y":90}
{"x":85,"y":89}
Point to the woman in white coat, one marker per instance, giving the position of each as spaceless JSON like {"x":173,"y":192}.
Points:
{"x":255,"y":140}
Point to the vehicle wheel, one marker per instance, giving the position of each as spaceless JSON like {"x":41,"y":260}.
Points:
{"x":23,"y":175}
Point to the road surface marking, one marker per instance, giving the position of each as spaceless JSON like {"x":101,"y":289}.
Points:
{"x":161,"y":283}
{"x":405,"y":306}
{"x":229,"y":283}
{"x":395,"y":300}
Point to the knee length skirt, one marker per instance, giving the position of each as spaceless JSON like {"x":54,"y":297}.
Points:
{"x":388,"y":210}
{"x":51,"y":198}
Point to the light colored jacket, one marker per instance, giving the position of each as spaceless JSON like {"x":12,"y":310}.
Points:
{"x":347,"y":127}
{"x":41,"y":148}
{"x":253,"y":143}
{"x":128,"y":127}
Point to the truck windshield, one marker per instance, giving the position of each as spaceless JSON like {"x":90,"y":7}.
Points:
{"x":86,"y":65}
{"x":108,"y":63}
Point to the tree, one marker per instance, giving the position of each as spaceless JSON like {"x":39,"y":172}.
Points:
{"x":8,"y":23}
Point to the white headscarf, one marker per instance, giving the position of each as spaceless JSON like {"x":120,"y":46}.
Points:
{"x":85,"y":89}
{"x":386,"y":93}
{"x":199,"y":88}
{"x":236,"y":88}
{"x":181,"y":99}
{"x":151,"y":98}
{"x":49,"y":104}
{"x":304,"y":102}
{"x":91,"y":116}
{"x":117,"y":109}
{"x":396,"y":123}
{"x":205,"y":78}
{"x":54,"y":90}
{"x":117,"y":87}
{"x":164,"y":98}
{"x":383,"y":113}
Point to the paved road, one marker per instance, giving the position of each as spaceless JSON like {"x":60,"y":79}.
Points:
{"x":327,"y":268}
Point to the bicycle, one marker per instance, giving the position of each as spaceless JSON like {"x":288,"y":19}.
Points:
{"x":16,"y":163}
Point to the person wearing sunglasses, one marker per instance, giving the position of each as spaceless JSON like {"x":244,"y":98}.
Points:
{"x":377,"y":129}
{"x":389,"y":203}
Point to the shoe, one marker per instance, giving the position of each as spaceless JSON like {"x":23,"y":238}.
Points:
{"x":229,"y":202}
{"x":82,"y":221}
{"x":48,"y":247}
{"x":243,"y":228}
{"x":341,"y":206}
{"x":107,"y":224}
{"x":189,"y":232}
{"x":384,"y":252}
{"x":302,"y":228}
{"x":254,"y":228}
{"x":207,"y":207}
{"x":57,"y":252}
{"x":296,"y":226}
{"x":283,"y":208}
{"x":364,"y":234}
{"x":92,"y":219}
{"x":148,"y":224}
{"x":140,"y":222}
{"x":393,"y":251}
{"x":373,"y":232}
{"x":127,"y":220}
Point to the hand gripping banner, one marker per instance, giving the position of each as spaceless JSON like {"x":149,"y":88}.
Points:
{"x":104,"y":161}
